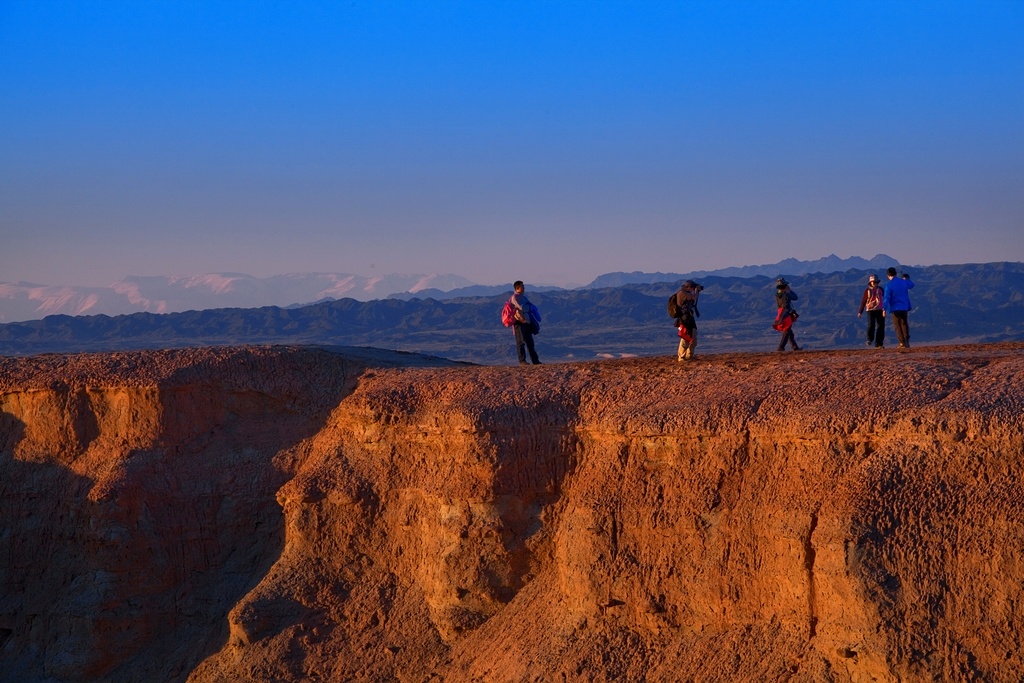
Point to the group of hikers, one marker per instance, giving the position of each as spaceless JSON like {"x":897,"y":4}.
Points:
{"x":894,"y":298}
{"x":878,"y":302}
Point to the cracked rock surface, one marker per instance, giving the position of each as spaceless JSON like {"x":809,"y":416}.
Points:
{"x":341,"y":514}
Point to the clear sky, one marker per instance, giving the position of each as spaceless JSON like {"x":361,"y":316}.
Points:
{"x":546,"y":141}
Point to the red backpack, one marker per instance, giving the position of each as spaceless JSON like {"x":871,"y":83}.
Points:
{"x":508,"y":314}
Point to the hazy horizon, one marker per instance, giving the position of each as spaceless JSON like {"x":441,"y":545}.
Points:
{"x":442,"y":277}
{"x":545,"y":141}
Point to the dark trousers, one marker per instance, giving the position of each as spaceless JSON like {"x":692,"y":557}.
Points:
{"x":788,"y":336}
{"x":876,"y":328}
{"x":524,"y":343}
{"x":902,"y":326}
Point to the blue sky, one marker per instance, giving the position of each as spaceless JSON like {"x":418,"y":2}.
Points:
{"x":544,"y":141}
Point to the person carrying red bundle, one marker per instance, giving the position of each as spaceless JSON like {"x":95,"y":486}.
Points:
{"x":786,"y":316}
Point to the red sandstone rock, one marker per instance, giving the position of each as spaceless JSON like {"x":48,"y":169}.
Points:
{"x":295,"y":514}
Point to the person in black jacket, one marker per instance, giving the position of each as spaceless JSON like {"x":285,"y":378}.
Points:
{"x":686,"y":323}
{"x":784,"y":296}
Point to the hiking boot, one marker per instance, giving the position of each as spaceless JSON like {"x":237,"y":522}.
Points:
{"x":796,"y":348}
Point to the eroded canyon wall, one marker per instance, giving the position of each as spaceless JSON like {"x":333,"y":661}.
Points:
{"x":276,"y":514}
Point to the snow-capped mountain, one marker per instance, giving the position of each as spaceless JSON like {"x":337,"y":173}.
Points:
{"x":170,"y":294}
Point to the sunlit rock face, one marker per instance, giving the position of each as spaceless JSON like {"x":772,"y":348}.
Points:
{"x":301,"y":514}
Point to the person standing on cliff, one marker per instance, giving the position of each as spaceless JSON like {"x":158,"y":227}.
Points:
{"x":686,"y":323}
{"x":871,"y":303}
{"x":784,"y":296}
{"x":896,"y":303}
{"x":526,"y":318}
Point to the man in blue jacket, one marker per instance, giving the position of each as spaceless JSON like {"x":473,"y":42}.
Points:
{"x":525,"y":315}
{"x":896,"y":303}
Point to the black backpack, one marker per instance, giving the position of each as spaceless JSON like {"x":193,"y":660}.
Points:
{"x":682,"y":313}
{"x":673,"y":307}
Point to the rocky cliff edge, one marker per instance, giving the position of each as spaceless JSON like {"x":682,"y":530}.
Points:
{"x":310,"y":514}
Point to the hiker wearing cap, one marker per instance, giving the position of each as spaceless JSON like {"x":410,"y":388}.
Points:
{"x":784,"y":296}
{"x":686,"y":323}
{"x":896,"y":304}
{"x":871,"y":303}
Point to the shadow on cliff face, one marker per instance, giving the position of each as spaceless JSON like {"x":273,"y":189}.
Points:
{"x":134,"y":528}
{"x":41,"y":522}
{"x":130,"y":577}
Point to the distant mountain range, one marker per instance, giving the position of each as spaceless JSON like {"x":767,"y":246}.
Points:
{"x":24,"y":301}
{"x":787,"y":267}
{"x":167,"y":294}
{"x":953,"y":303}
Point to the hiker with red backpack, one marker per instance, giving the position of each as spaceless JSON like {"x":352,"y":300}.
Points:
{"x":871,"y":303}
{"x":524,"y":319}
